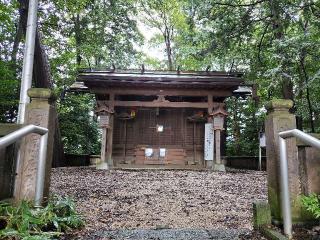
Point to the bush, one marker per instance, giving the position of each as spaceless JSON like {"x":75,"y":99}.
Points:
{"x":312,"y":204}
{"x":28,"y":223}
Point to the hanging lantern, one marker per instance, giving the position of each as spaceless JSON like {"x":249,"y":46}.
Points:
{"x":133,"y":113}
{"x":218,"y":118}
{"x":104,"y":120}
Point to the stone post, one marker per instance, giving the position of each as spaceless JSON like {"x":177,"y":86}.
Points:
{"x":309,"y":161}
{"x":39,"y":112}
{"x":218,"y":121}
{"x":106,"y":124}
{"x":279,"y":119}
{"x":103,"y":160}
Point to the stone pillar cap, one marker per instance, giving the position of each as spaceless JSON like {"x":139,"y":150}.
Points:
{"x":279,"y":104}
{"x":42,"y":93}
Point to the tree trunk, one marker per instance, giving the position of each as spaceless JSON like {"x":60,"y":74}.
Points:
{"x":167,"y":39}
{"x":306,"y":80}
{"x":278,"y":32}
{"x":77,"y":38}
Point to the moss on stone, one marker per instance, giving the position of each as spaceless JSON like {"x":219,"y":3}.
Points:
{"x":261,"y":214}
{"x":274,"y":204}
{"x":42,"y":93}
{"x":279,"y":104}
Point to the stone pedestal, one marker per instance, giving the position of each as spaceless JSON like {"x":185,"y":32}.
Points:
{"x":219,"y":167}
{"x":279,"y":119}
{"x":219,"y":115}
{"x":39,"y":112}
{"x":209,"y":164}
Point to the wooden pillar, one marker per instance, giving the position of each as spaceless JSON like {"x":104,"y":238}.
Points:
{"x":194,"y":143}
{"x":124,"y":142}
{"x":217,"y":143}
{"x":110,"y":142}
{"x":103,"y":145}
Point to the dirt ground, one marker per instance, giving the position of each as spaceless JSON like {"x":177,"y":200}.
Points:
{"x":161,"y":199}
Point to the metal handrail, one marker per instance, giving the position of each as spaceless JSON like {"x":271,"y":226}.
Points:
{"x":22,"y":132}
{"x":285,"y":195}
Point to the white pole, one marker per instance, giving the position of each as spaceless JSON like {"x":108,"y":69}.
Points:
{"x":26,"y":81}
{"x":260,"y":157}
{"x":285,"y":193}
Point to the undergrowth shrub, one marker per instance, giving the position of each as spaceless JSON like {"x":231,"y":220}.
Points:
{"x":312,"y":204}
{"x":28,"y":223}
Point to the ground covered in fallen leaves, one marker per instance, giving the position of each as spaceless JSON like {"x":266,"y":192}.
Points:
{"x":161,"y":199}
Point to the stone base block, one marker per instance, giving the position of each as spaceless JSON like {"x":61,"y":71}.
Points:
{"x":103,"y":166}
{"x":261,"y":214}
{"x":272,"y":234}
{"x":219,"y":167}
{"x":209,"y":164}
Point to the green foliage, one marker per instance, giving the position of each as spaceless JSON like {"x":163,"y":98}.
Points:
{"x":312,"y":204}
{"x":168,"y":18}
{"x":275,"y":43}
{"x":85,"y":33}
{"x":27,"y":223}
{"x":9,"y":87}
{"x":243,"y":125}
{"x":9,"y":84}
{"x":78,"y":126}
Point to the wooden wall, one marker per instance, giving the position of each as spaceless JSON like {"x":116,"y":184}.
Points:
{"x":183,"y":139}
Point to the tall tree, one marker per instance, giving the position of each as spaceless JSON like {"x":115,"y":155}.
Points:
{"x":168,"y":18}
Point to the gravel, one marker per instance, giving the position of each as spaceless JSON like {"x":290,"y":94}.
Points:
{"x":159,"y":204}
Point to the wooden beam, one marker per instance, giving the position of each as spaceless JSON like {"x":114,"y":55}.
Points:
{"x":165,"y":92}
{"x":210,"y":103}
{"x":156,"y":104}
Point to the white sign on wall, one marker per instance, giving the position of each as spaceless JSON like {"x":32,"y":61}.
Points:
{"x":208,"y":142}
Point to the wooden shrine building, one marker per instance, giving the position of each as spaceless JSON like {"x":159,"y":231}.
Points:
{"x":160,"y":118}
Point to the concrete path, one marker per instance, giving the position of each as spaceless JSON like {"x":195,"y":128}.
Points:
{"x":173,"y":234}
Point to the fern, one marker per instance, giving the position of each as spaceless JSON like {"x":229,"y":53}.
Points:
{"x":27,"y":223}
{"x":312,"y":204}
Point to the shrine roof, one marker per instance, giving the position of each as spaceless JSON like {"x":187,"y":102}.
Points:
{"x":153,"y":79}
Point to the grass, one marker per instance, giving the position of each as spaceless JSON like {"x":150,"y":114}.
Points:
{"x":27,"y":223}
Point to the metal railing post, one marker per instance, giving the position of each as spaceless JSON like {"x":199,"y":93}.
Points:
{"x":285,"y":195}
{"x":41,"y":170}
{"x":284,"y":176}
